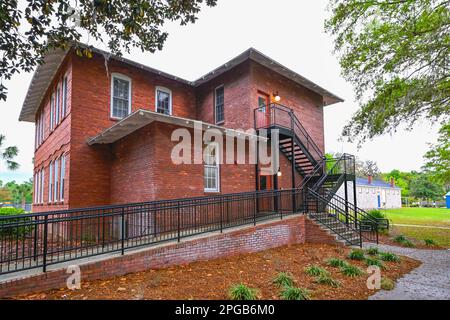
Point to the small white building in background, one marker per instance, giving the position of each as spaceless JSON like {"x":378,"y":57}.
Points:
{"x":373,"y":194}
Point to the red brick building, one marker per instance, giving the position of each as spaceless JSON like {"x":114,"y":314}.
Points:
{"x":103,"y":128}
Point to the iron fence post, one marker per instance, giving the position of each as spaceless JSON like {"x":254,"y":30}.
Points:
{"x":254,"y":210}
{"x":123,"y":231}
{"x":178,"y":222}
{"x":44,"y":267}
{"x":222,"y":202}
{"x":36,"y":230}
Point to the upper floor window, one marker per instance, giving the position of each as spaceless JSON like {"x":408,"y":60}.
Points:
{"x":64,"y":97}
{"x":163,"y":100}
{"x":52,"y":109}
{"x":211,"y":167}
{"x":120,"y":96}
{"x":219,"y":104}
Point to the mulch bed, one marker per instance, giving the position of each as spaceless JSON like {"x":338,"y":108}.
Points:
{"x":212,"y":279}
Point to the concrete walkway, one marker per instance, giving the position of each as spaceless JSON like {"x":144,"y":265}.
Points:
{"x":430,"y":281}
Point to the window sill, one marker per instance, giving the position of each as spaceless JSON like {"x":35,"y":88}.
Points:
{"x":221,"y":123}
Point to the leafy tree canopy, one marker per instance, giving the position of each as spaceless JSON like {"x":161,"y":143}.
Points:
{"x":8,"y":154}
{"x":423,"y":187}
{"x":30,"y":28}
{"x":396,"y":55}
{"x":438,"y":157}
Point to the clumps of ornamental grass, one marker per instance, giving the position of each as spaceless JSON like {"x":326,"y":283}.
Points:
{"x":387,"y":284}
{"x":356,"y":254}
{"x":336,"y":262}
{"x":294,"y":293}
{"x":401,"y":239}
{"x":242,"y":292}
{"x":388,"y":256}
{"x":430,"y":242}
{"x":351,"y":271}
{"x":327,"y":280}
{"x":316,"y":271}
{"x":374,"y":262}
{"x":373,"y":251}
{"x":283,"y":279}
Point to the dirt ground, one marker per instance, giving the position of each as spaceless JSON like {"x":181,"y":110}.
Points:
{"x":213,"y":279}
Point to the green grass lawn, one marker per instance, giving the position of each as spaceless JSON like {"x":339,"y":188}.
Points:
{"x":439,"y":217}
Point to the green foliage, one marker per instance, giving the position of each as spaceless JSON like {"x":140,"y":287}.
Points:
{"x":388,"y":256}
{"x":8,"y":153}
{"x":327,"y":280}
{"x":336,"y":262}
{"x":424,"y":188}
{"x":32,"y":29}
{"x":17,"y":193}
{"x":387,"y":284}
{"x":356,"y":254}
{"x":373,"y":251}
{"x":374,"y":262}
{"x":14,"y":227}
{"x":242,"y":292}
{"x":430,"y":242}
{"x":395,"y":53}
{"x":283,"y":279}
{"x":438,"y":157}
{"x":401,"y":239}
{"x":294,"y":293}
{"x":351,"y":270}
{"x":316,"y":270}
{"x":376,"y":214}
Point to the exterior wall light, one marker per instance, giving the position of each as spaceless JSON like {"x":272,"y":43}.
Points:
{"x":276,"y":96}
{"x":279,"y":172}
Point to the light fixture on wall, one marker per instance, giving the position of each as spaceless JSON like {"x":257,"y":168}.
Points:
{"x":276,"y":96}
{"x":279,"y":172}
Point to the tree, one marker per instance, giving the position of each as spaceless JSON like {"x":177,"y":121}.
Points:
{"x":424,"y":188}
{"x":27,"y":34}
{"x":8,"y":154}
{"x":367,"y":168}
{"x":22,"y":192}
{"x":396,"y":55}
{"x":402,"y":179}
{"x":438,"y":157}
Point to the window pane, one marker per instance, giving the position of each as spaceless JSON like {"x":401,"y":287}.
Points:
{"x":163,"y":102}
{"x":121,"y":98}
{"x":219,"y":104}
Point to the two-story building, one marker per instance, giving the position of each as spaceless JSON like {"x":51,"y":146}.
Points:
{"x":104,"y":127}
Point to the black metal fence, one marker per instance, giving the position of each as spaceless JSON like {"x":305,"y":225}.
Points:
{"x":41,"y":239}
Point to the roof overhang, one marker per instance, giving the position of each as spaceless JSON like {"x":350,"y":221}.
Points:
{"x":40,"y":83}
{"x":141,"y":118}
{"x":255,"y":55}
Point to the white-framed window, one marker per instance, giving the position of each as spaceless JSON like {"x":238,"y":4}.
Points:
{"x":219,"y":103}
{"x":64,"y":97}
{"x":50,"y":182}
{"x":163,"y":100}
{"x":367,"y":190}
{"x":120,"y":96}
{"x":57,"y":104}
{"x":56,"y":178}
{"x":211,"y":168}
{"x":360,"y":190}
{"x":62,"y":177}
{"x":52,"y":107}
{"x":36,"y":187}
{"x":41,"y":188}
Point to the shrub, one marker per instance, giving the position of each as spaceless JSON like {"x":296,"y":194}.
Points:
{"x":376,"y":214}
{"x":400,"y":238}
{"x":430,"y":242}
{"x":242,"y":292}
{"x":283,"y":279}
{"x":387,"y":284}
{"x":356,"y":254}
{"x":408,"y":243}
{"x":315,"y":270}
{"x":336,"y":262}
{"x":373,"y":251}
{"x":374,"y":262}
{"x":17,"y":227}
{"x":351,"y":271}
{"x":327,"y":280}
{"x":388,"y":256}
{"x":294,"y":293}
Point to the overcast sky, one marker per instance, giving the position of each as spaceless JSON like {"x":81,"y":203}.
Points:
{"x":290,"y":32}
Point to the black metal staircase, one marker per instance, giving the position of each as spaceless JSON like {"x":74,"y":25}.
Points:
{"x":322,"y":177}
